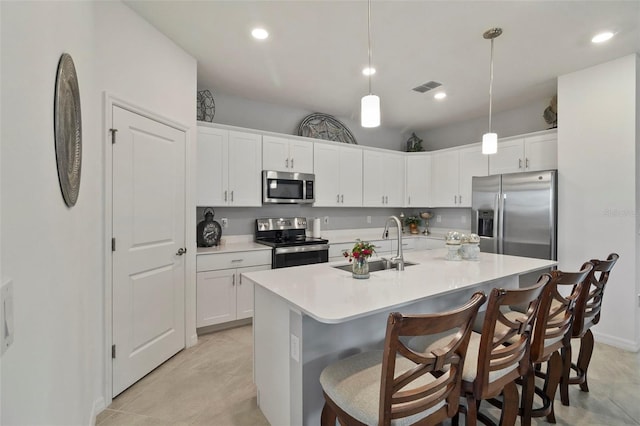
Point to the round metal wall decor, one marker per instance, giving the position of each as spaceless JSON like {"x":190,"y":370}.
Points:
{"x":205,"y":105}
{"x":327,"y":127}
{"x":68,"y":129}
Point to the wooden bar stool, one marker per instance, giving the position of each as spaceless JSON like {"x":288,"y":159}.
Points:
{"x":499,"y":355}
{"x":587,"y":314}
{"x":551,"y":342}
{"x":398,"y":384}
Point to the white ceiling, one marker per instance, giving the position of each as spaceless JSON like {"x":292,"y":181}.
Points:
{"x":316,"y":51}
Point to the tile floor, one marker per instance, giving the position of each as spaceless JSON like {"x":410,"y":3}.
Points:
{"x":211,"y":384}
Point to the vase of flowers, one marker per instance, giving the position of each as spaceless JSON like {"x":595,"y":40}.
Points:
{"x":359,"y":255}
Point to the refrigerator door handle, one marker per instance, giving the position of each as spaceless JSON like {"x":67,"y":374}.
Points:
{"x":502,"y":199}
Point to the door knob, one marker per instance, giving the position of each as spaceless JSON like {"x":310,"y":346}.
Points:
{"x":181,"y":251}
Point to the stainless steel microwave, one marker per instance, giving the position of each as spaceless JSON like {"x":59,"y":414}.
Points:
{"x":287,"y":188}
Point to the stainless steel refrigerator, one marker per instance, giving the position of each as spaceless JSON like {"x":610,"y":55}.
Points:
{"x":516,"y":213}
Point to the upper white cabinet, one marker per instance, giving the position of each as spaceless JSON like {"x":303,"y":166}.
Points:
{"x":287,"y":155}
{"x":451,"y":173}
{"x":338,"y":171}
{"x":524,"y":154}
{"x":229,"y":168}
{"x":383,"y":179}
{"x":418,"y":184}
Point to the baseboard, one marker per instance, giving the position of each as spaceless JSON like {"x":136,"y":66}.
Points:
{"x":98,"y":407}
{"x":192,"y":340}
{"x":223,"y":326}
{"x":627,"y":345}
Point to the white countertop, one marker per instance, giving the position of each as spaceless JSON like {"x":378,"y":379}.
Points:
{"x":331,"y":295}
{"x":233,"y":243}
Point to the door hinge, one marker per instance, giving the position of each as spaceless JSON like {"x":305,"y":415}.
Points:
{"x":113,"y":135}
{"x":113,"y":244}
{"x":113,"y":351}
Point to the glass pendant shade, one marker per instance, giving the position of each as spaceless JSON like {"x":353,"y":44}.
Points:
{"x":370,"y":111}
{"x":489,"y":143}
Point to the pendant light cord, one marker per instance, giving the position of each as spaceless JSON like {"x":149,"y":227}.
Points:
{"x":369,"y":41}
{"x":491,"y":86}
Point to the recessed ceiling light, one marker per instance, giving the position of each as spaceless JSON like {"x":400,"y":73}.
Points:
{"x":369,"y":71}
{"x":259,"y":33}
{"x":602,"y":37}
{"x":440,"y":95}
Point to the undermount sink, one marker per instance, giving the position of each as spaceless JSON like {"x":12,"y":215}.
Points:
{"x":374,"y":266}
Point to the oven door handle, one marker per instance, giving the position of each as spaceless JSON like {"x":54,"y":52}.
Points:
{"x":300,"y":249}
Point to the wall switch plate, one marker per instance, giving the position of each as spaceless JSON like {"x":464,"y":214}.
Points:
{"x":6,"y":316}
{"x":295,"y":348}
{"x":368,"y":219}
{"x":438,"y":218}
{"x":224,"y":222}
{"x":326,"y":220}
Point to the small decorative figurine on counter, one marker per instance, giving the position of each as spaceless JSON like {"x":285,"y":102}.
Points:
{"x":209,"y":231}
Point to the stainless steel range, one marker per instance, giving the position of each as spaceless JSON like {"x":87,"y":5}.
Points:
{"x":291,"y":246}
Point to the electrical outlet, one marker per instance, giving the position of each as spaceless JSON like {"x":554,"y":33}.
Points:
{"x":463,"y":219}
{"x":438,"y":218}
{"x":326,"y":220}
{"x":6,"y":316}
{"x":368,"y":219}
{"x":224,"y":222}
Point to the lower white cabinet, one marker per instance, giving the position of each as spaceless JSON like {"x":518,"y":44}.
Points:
{"x":223,"y":295}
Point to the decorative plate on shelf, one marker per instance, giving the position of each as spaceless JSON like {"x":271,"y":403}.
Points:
{"x":206,"y":107}
{"x":327,"y":127}
{"x":67,"y":122}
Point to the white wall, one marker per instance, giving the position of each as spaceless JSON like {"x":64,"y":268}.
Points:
{"x":54,"y":372}
{"x":597,"y":163}
{"x":236,"y":111}
{"x":517,"y":121}
{"x":51,"y":374}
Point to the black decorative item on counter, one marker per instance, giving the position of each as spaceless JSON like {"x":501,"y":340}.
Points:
{"x":209,"y":231}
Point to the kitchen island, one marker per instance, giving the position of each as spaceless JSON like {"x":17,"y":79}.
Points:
{"x":310,"y":316}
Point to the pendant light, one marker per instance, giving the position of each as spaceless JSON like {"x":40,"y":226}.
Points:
{"x":490,"y":139}
{"x":370,"y":104}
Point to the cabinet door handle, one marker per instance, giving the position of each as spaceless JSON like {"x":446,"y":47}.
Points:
{"x":337,"y":198}
{"x":386,"y":199}
{"x":232,"y":196}
{"x":460,"y":199}
{"x":286,"y":163}
{"x":292,"y":163}
{"x":409,"y":199}
{"x":519,"y":163}
{"x":225,"y":195}
{"x":236,"y":260}
{"x":455,"y":199}
{"x":342,"y":198}
{"x":383,"y":199}
{"x":240,"y":280}
{"x":233,"y":280}
{"x":526,"y":163}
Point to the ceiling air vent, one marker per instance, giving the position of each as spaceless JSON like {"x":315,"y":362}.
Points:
{"x":429,"y":85}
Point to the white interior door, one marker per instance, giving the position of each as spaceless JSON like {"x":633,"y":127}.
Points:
{"x":149,"y":231}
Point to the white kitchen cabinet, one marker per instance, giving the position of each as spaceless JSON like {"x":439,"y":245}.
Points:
{"x":222,"y":294}
{"x":287,"y":155}
{"x":418,"y":183}
{"x":229,"y":168}
{"x":338,"y":172}
{"x":451,"y":174}
{"x":383,"y":179}
{"x":524,"y":154}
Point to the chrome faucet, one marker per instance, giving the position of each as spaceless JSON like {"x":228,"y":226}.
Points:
{"x":398,"y":259}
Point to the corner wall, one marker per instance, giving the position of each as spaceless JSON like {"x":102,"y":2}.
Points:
{"x":597,"y":151}
{"x":53,"y":374}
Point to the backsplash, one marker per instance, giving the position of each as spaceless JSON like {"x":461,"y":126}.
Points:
{"x":241,"y":220}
